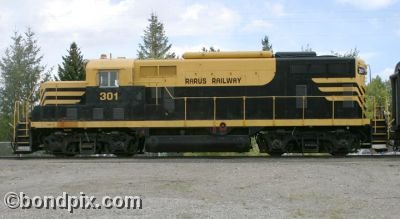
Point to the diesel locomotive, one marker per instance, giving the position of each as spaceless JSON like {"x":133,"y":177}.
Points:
{"x":204,"y":102}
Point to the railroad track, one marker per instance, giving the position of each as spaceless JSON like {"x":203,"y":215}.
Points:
{"x":110,"y":156}
{"x":42,"y":155}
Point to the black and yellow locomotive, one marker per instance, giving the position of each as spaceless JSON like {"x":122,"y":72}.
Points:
{"x":205,"y":102}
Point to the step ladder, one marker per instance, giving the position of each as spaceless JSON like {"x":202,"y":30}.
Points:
{"x":21,"y":139}
{"x":379,"y":131}
{"x":379,"y":135}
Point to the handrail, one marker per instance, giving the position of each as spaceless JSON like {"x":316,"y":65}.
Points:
{"x":21,"y":111}
{"x":15,"y":120}
{"x":334,"y":98}
{"x":302,"y":109}
{"x":252,"y":97}
{"x":26,"y":117}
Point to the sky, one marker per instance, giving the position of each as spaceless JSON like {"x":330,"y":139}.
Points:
{"x":116,"y":26}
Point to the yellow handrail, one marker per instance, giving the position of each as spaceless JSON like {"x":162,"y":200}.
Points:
{"x":16,"y":112}
{"x":21,"y":110}
{"x":303,"y":107}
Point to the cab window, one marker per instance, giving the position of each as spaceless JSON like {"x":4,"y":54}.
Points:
{"x":108,"y":79}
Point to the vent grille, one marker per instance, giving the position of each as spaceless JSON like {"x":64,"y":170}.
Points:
{"x":118,"y":113}
{"x":72,"y":114}
{"x":98,"y":114}
{"x":157,"y":71}
{"x":148,"y":71}
{"x":167,"y":71}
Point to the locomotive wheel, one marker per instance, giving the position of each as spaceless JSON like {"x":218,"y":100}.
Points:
{"x":71,"y":149}
{"x":342,"y":152}
{"x":276,"y":147}
{"x":341,"y":147}
{"x":339,"y":152}
{"x":104,"y":149}
{"x":132,"y":148}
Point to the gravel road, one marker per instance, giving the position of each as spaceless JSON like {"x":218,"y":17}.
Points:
{"x":216,"y":188}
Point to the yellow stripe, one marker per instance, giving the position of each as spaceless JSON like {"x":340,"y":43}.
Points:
{"x":344,"y":98}
{"x":202,"y":123}
{"x":338,"y":89}
{"x":343,"y":89}
{"x":64,"y":93}
{"x":60,"y":85}
{"x":334,"y":80}
{"x":359,"y":81}
{"x":63,"y":84}
{"x":61,"y":94}
{"x":60,"y":102}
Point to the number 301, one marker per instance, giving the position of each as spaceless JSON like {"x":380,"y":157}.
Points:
{"x":108,"y":96}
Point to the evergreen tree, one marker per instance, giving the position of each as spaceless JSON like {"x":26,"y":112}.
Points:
{"x":155,"y":42}
{"x":211,"y":49}
{"x":73,"y":66}
{"x":353,"y":53}
{"x":266,"y":45}
{"x":21,"y":73}
{"x":378,"y":93}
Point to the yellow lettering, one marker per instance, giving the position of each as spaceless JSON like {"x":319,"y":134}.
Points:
{"x":103,"y":96}
{"x":108,"y":96}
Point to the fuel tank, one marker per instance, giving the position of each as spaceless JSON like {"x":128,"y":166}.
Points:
{"x":198,"y":143}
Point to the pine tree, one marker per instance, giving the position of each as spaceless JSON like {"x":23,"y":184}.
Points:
{"x":21,"y":74}
{"x":266,"y":45}
{"x":73,"y":66}
{"x":35,"y":72}
{"x":353,"y":53}
{"x":378,"y":93}
{"x":12,"y":66}
{"x":155,"y":43}
{"x":211,"y":49}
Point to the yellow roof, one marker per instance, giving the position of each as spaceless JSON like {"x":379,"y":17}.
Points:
{"x":95,"y":64}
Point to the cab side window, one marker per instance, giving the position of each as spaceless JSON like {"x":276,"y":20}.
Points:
{"x":108,"y":79}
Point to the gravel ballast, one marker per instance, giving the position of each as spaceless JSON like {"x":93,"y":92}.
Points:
{"x":217,"y":187}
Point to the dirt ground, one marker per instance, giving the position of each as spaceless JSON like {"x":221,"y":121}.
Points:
{"x":213,"y":187}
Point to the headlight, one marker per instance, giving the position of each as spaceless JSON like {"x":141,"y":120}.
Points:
{"x":362,"y":71}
